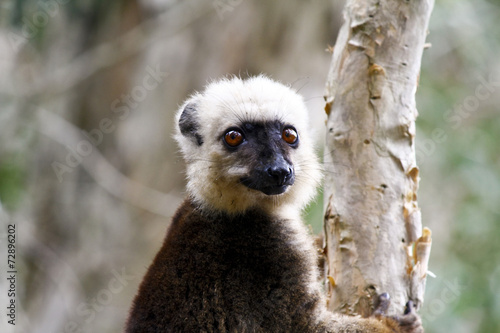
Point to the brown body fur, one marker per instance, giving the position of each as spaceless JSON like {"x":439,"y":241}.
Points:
{"x":234,"y":274}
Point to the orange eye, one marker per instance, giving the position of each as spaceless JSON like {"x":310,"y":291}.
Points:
{"x":289,"y":135}
{"x":233,"y":138}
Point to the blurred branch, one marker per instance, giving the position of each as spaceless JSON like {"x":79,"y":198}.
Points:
{"x":105,"y":174}
{"x":67,"y":77}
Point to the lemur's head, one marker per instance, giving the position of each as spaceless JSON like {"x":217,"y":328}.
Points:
{"x":247,"y":144}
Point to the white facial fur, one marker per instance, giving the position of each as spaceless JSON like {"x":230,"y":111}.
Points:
{"x":214,"y":174}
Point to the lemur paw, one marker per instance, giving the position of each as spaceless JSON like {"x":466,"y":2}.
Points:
{"x":409,"y":322}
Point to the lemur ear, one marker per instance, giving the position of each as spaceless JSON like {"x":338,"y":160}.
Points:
{"x":188,"y":123}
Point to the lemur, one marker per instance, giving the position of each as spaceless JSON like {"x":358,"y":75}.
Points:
{"x":237,"y":256}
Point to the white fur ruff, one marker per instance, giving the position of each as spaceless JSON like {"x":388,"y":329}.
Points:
{"x":214,"y":174}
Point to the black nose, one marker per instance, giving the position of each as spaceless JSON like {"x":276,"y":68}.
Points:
{"x":280,"y":174}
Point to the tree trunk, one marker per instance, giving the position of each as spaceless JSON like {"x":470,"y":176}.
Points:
{"x":373,"y":230}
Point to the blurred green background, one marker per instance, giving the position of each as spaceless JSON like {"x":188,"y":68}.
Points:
{"x":89,"y":218}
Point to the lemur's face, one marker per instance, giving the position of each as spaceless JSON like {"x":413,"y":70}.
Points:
{"x":246,"y":144}
{"x":266,"y":147}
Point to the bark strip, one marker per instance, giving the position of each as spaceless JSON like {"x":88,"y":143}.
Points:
{"x":373,"y":230}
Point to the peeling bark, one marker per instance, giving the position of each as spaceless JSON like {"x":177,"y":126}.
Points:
{"x":373,"y":230}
